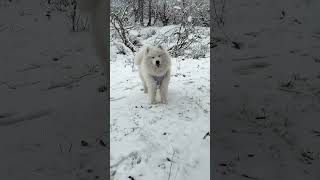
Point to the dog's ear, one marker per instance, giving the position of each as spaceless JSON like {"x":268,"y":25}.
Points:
{"x":147,"y":50}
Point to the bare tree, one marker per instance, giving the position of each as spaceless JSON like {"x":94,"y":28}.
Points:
{"x":164,"y":18}
{"x":141,"y":9}
{"x":117,"y":20}
{"x":164,"y":11}
{"x":156,"y":14}
{"x":150,"y":12}
{"x":74,"y":15}
{"x":136,"y":11}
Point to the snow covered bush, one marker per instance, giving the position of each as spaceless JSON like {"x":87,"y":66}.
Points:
{"x":148,"y":33}
{"x":199,"y":51}
{"x":77,"y":21}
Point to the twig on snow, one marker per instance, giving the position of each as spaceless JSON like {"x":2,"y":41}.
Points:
{"x":207,"y":134}
{"x":171,"y":162}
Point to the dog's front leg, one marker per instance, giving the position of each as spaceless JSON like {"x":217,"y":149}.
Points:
{"x":145,"y":87}
{"x":152,"y":90}
{"x":164,"y":88}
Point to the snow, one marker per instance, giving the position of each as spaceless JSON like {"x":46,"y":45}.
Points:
{"x":189,"y":18}
{"x":266,"y":105}
{"x":46,"y":109}
{"x":177,"y":7}
{"x":160,"y":141}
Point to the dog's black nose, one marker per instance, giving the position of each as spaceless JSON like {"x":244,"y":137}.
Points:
{"x":157,"y":62}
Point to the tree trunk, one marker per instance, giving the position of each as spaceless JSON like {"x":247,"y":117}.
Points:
{"x":136,"y":15}
{"x":184,"y":4}
{"x":140,"y":9}
{"x":164,"y":15}
{"x":150,"y":10}
{"x":74,"y":15}
{"x":155,"y":15}
{"x":136,"y":11}
{"x":183,"y":18}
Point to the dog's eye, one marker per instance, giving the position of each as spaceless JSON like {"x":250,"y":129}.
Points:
{"x":152,"y":57}
{"x":159,"y":56}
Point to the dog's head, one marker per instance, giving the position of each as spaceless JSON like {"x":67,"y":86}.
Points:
{"x":157,"y":57}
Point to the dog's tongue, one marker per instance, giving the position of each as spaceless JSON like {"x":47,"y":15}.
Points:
{"x":158,"y":65}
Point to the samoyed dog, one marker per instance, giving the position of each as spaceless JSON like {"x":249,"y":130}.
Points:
{"x":97,"y":9}
{"x":154,"y":65}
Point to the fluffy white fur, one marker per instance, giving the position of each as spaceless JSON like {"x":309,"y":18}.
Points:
{"x":97,"y":10}
{"x":154,"y":61}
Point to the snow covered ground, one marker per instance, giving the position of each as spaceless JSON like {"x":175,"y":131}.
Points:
{"x":160,"y":141}
{"x":52,"y":117}
{"x":266,"y":108}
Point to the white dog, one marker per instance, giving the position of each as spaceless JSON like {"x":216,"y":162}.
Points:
{"x":154,"y":69}
{"x":98,"y":13}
